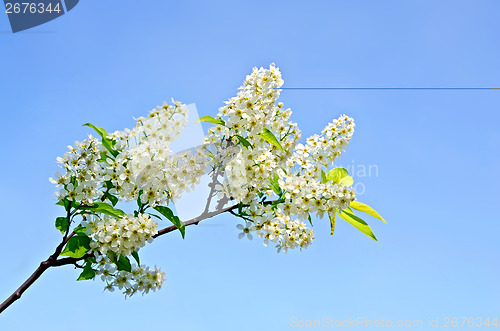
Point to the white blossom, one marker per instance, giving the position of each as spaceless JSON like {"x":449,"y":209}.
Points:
{"x":121,"y":236}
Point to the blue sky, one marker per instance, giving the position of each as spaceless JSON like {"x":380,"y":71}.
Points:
{"x":437,"y":155}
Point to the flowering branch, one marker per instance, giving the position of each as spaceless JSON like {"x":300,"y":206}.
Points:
{"x":275,"y":183}
{"x":52,"y":261}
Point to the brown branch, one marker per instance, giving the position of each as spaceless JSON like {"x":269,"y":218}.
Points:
{"x":17,"y":294}
{"x":70,"y":260}
{"x":195,"y":221}
{"x":52,"y":261}
{"x":203,"y":216}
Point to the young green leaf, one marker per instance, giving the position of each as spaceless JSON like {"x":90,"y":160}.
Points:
{"x":346,"y":181}
{"x":62,"y":224}
{"x":76,"y":247}
{"x":113,"y":257}
{"x":268,"y":136}
{"x":104,"y":157}
{"x":100,"y":131}
{"x":87,"y":273}
{"x":111,"y":197}
{"x":336,"y":174}
{"x":154,"y":215}
{"x":139,"y":202}
{"x":106,"y":142}
{"x":80,"y":230}
{"x":123,"y":263}
{"x":91,"y":259}
{"x":168,"y":213}
{"x":332,"y":221}
{"x":366,"y":209}
{"x":135,"y":255}
{"x":244,"y":142}
{"x":275,"y":186}
{"x":358,"y":223}
{"x":323,"y":177}
{"x":105,"y":208}
{"x":66,"y":203}
{"x":108,"y":184}
{"x":210,"y":119}
{"x":277,"y":202}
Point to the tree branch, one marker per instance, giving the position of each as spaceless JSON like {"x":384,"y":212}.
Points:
{"x":204,"y":216}
{"x":196,"y":220}
{"x":52,"y":261}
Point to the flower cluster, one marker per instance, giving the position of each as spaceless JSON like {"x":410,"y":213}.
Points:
{"x":133,"y":165}
{"x":139,"y":279}
{"x":322,"y":150}
{"x":306,"y":192}
{"x":120,"y":235}
{"x":298,"y":170}
{"x":281,"y":230}
{"x":245,"y":117}
{"x":316,"y":198}
{"x":276,"y":182}
{"x":146,"y":168}
{"x":83,"y":172}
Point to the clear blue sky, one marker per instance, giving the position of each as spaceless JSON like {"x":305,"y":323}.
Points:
{"x":437,"y":155}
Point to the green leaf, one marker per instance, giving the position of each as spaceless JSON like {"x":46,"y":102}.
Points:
{"x":309,"y":219}
{"x":135,"y":255}
{"x":139,"y":202}
{"x":108,"y":184}
{"x":65,"y":203}
{"x":106,"y":142}
{"x":91,"y":259}
{"x":323,"y":177}
{"x":154,"y":215}
{"x":337,"y":174}
{"x":168,"y":213}
{"x":358,"y":223}
{"x":104,"y":157}
{"x":366,"y":209}
{"x":277,"y":202}
{"x":87,"y":273}
{"x":244,"y":142}
{"x":105,"y":208}
{"x":275,"y":186}
{"x":76,"y":247}
{"x":346,"y":181}
{"x":112,"y":198}
{"x":268,"y":136}
{"x":113,"y":257}
{"x":80,"y":230}
{"x":100,"y":131}
{"x":332,"y":221}
{"x":210,"y":119}
{"x":123,"y":263}
{"x":62,"y":224}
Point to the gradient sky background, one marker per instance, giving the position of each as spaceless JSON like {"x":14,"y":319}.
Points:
{"x":437,"y":154}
